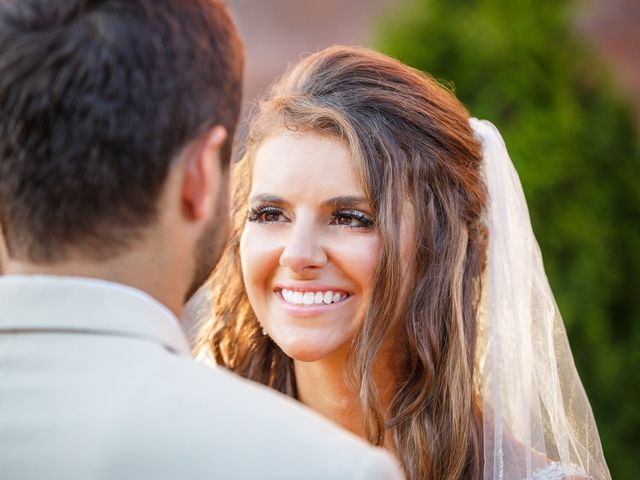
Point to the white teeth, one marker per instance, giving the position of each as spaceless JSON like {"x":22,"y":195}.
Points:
{"x":297,"y":298}
{"x":311,"y":298}
{"x":327,"y":297}
{"x":308,"y":298}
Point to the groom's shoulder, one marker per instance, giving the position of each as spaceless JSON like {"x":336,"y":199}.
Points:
{"x":249,"y":431}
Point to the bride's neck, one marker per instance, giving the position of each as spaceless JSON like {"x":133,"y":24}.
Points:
{"x":322,"y":386}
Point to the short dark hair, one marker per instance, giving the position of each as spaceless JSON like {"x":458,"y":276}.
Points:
{"x":96,"y":100}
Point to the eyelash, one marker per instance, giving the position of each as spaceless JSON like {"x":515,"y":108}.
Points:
{"x":257,"y":214}
{"x":365,"y":220}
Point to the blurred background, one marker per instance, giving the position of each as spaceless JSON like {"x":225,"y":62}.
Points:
{"x":561,"y":80}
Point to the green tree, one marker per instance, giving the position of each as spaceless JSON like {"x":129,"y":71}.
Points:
{"x":521,"y":64}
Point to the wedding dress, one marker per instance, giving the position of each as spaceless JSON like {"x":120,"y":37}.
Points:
{"x":538,"y":423}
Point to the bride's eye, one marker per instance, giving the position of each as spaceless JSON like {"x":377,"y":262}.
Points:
{"x":351,"y":219}
{"x":266,"y":214}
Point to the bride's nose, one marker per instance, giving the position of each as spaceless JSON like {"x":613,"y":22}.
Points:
{"x":303,"y":251}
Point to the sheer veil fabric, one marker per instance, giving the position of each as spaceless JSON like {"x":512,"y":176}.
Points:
{"x":538,"y":423}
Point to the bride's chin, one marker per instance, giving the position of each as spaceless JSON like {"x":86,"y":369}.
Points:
{"x":304,"y":352}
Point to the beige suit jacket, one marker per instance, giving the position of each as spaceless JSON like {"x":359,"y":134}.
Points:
{"x":96,"y":382}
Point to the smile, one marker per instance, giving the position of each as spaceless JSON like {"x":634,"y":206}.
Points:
{"x":312,"y":298}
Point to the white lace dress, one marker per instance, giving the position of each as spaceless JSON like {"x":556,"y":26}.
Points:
{"x":558,"y":471}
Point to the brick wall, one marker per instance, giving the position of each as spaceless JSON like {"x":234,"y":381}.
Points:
{"x":614,"y":27}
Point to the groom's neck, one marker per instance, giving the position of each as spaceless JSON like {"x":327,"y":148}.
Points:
{"x":153,"y":272}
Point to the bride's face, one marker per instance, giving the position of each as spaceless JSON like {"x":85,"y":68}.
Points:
{"x":309,"y":249}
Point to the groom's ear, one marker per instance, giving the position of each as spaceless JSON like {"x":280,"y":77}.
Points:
{"x":203,"y":175}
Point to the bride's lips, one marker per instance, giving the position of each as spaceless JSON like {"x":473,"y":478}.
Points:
{"x":311,"y":300}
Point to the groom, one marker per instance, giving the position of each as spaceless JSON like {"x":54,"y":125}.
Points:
{"x":116,"y":126}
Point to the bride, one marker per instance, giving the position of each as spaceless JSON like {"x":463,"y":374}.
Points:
{"x":383,"y":271}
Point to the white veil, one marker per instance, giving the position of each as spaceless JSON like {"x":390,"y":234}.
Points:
{"x":538,"y":422}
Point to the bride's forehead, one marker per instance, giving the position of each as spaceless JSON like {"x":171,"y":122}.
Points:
{"x":304,"y":161}
{"x":302,"y":145}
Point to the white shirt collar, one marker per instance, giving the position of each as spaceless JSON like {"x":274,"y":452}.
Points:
{"x":67,"y":304}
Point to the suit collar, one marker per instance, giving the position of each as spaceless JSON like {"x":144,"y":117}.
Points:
{"x":83,"y":305}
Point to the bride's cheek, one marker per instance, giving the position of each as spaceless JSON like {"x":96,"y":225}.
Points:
{"x":366,"y":256}
{"x":258,"y":256}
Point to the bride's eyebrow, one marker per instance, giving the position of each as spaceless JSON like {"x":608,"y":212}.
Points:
{"x":346,"y":201}
{"x":267,"y":198}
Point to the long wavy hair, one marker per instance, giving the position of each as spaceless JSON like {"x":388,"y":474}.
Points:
{"x":411,"y":143}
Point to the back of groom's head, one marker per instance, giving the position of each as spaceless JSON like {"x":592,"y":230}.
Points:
{"x":96,"y":100}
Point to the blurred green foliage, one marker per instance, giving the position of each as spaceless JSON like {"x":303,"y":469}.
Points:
{"x":521,"y":64}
